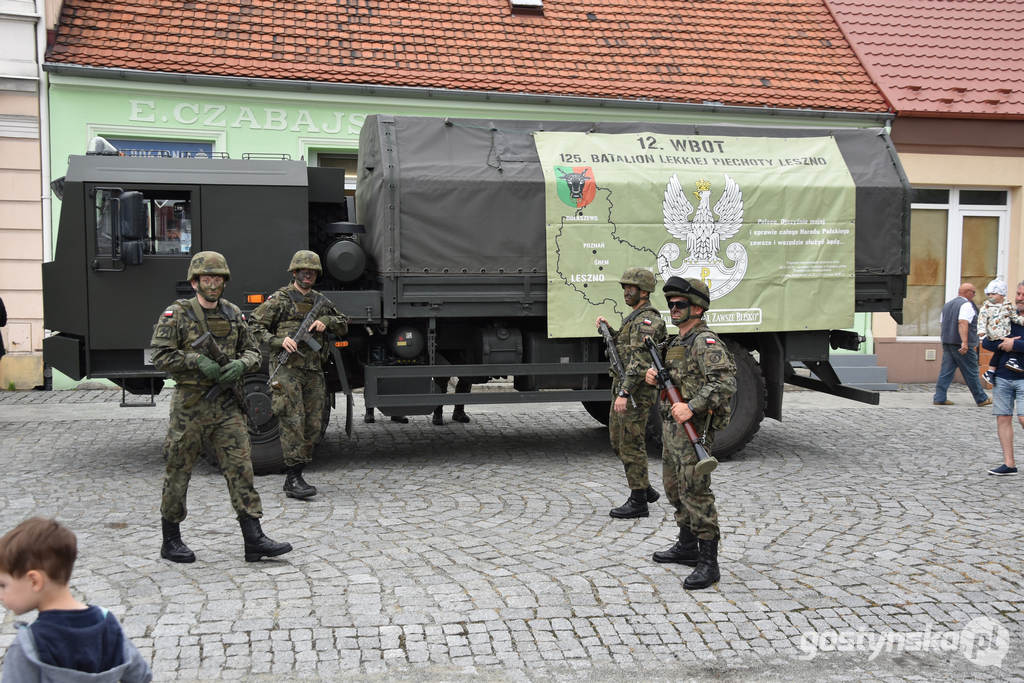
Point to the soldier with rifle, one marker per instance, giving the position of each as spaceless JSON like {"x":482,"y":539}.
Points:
{"x":293,"y":320}
{"x":696,"y":399}
{"x":631,"y":397}
{"x":203,"y":414}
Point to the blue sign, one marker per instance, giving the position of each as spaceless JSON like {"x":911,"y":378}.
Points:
{"x":156,"y":148}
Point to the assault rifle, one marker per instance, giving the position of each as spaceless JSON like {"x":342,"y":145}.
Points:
{"x":303,"y":335}
{"x":613,"y":354}
{"x":208,"y":346}
{"x":705,"y":462}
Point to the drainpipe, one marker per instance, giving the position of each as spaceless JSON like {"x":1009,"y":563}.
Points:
{"x":44,"y":130}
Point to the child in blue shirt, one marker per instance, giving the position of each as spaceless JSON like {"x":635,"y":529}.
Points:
{"x":69,"y":641}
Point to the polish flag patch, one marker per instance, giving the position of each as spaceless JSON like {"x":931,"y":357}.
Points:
{"x":168,"y":313}
{"x":709,"y":341}
{"x":647,"y":321}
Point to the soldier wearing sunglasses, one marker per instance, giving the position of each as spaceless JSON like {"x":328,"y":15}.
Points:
{"x":703,"y":369}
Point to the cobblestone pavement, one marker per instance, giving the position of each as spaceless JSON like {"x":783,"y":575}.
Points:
{"x":486,"y":551}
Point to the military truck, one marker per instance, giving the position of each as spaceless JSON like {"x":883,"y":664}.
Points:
{"x":449,"y":261}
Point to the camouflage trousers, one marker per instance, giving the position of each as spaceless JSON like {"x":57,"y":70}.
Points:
{"x":298,"y":402}
{"x":220,"y":426}
{"x":627,"y":432}
{"x":689,"y":493}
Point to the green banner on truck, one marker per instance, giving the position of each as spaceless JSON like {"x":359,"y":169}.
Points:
{"x":767,"y":223}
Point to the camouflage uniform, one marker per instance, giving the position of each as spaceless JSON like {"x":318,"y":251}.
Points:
{"x":704,"y":372}
{"x":219,"y":423}
{"x":627,"y":431}
{"x":298,"y":387}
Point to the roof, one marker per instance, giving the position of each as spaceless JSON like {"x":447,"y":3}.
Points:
{"x":775,"y":53}
{"x":957,"y":58}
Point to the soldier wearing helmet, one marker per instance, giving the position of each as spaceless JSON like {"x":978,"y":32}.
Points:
{"x":631,"y":397}
{"x":704,"y":371}
{"x":298,"y":389}
{"x":201,"y":416}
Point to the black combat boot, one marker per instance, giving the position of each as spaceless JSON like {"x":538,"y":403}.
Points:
{"x":257,"y":545}
{"x":400,"y":419}
{"x":652,"y":495}
{"x":368,"y":417}
{"x":706,"y":572}
{"x":635,"y":506}
{"x":685,"y":550}
{"x":459,"y":414}
{"x":295,"y":486}
{"x":438,"y":418}
{"x":173,"y":548}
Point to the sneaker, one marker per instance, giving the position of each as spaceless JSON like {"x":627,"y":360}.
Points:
{"x":1014,"y":364}
{"x":989,"y":377}
{"x":1003,"y":471}
{"x":986,"y":402}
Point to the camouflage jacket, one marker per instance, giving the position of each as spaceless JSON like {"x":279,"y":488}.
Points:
{"x":704,"y":371}
{"x":279,"y":317}
{"x":180,"y":325}
{"x":629,"y":342}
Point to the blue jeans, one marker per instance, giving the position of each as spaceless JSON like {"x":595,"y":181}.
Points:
{"x":968,"y":366}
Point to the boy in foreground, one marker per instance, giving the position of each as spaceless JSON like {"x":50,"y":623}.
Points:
{"x":69,"y":641}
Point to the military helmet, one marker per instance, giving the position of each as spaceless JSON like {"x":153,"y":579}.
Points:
{"x":641,"y":277}
{"x":304,"y":258}
{"x":691,"y":288}
{"x":208,"y":263}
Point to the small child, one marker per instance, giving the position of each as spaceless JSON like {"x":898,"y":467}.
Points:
{"x":69,"y":641}
{"x":994,"y":319}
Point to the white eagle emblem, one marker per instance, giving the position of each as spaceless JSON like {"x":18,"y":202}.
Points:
{"x":703,"y":235}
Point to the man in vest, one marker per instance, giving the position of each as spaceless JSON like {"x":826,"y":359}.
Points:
{"x":200,"y":415}
{"x":298,"y":390}
{"x":632,"y":398}
{"x":958,"y":326}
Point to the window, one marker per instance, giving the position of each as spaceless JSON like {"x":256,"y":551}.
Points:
{"x":349,"y":162}
{"x":956,"y":235}
{"x":161,"y":224}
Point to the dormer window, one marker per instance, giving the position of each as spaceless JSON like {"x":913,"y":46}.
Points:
{"x":527,"y":6}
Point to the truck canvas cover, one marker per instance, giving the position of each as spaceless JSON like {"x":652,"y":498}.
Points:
{"x":829,"y":206}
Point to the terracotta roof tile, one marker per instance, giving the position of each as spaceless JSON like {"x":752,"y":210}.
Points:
{"x":941,"y":57}
{"x":738,"y":52}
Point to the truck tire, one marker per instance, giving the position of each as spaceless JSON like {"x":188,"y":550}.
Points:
{"x":747,"y":410}
{"x":747,"y":405}
{"x":598,"y":410}
{"x":264,"y":431}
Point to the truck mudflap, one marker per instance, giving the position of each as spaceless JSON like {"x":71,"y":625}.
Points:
{"x":828,"y":382}
{"x":339,"y":368}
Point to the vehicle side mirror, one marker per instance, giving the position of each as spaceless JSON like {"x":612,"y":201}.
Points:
{"x":132,"y":226}
{"x":131,"y":216}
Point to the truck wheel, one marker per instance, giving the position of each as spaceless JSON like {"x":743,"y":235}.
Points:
{"x":264,"y":431}
{"x":598,"y":410}
{"x":747,"y":405}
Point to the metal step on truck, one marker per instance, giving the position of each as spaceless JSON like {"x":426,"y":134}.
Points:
{"x":486,"y":249}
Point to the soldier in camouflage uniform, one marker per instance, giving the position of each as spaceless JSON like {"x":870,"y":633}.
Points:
{"x":704,"y":371}
{"x":627,"y":423}
{"x":298,"y":386}
{"x":196,"y":419}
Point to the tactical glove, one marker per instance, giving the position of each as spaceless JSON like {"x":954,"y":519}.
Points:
{"x":232,"y":371}
{"x":208,"y":367}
